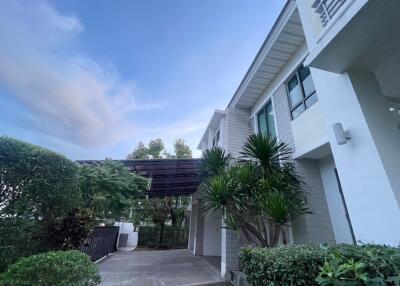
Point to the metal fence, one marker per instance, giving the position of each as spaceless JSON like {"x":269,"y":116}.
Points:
{"x":101,"y":242}
{"x":173,"y":237}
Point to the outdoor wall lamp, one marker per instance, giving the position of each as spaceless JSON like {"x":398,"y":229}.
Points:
{"x":341,"y":136}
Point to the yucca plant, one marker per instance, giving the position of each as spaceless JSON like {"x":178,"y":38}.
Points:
{"x":259,"y":195}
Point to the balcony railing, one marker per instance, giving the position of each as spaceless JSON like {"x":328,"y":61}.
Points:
{"x":326,"y":9}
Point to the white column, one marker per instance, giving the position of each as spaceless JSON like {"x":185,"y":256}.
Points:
{"x":199,"y":230}
{"x":367,"y":163}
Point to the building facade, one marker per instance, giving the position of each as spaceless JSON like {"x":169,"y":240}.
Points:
{"x":326,"y":82}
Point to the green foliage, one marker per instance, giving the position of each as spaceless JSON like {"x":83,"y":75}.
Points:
{"x":284,"y":266}
{"x":108,"y":186}
{"x":266,"y":150}
{"x":182,"y":151}
{"x":36,"y":182}
{"x":215,"y":162}
{"x":61,"y":268}
{"x":259,"y":195}
{"x":48,"y":202}
{"x":156,"y":150}
{"x":348,"y":265}
{"x":368,"y":264}
{"x":18,"y":237}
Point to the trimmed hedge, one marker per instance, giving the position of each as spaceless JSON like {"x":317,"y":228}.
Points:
{"x":55,"y":268}
{"x":286,"y":265}
{"x":350,"y":265}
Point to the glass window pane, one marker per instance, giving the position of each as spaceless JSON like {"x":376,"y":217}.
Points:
{"x":306,"y":81}
{"x":262,"y":123}
{"x":304,"y":72}
{"x":270,"y":120}
{"x":311,"y":100}
{"x":294,"y":91}
{"x":299,"y":110}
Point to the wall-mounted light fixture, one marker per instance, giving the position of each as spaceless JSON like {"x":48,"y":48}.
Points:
{"x":341,"y":136}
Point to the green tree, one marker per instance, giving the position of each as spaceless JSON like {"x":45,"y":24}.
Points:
{"x":153,"y":150}
{"x":156,"y":150}
{"x":259,"y":195}
{"x":108,"y":187}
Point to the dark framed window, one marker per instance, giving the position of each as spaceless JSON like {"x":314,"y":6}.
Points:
{"x":301,"y":91}
{"x":215,"y":142}
{"x":265,"y":120}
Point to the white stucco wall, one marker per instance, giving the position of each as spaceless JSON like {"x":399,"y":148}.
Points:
{"x":369,"y":195}
{"x":309,"y":130}
{"x":336,"y":208}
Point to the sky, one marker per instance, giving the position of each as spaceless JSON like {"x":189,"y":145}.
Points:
{"x":92,"y":78}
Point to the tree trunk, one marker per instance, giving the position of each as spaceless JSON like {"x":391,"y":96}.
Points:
{"x":161,"y":234}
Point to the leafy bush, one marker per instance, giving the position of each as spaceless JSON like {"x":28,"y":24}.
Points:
{"x":286,"y":265}
{"x":61,"y":268}
{"x":349,"y":265}
{"x":361,"y":265}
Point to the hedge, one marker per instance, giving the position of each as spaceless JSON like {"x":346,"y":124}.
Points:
{"x":55,"y":268}
{"x":348,"y":265}
{"x":290,"y":265}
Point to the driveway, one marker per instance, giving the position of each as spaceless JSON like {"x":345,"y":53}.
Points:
{"x":157,"y":268}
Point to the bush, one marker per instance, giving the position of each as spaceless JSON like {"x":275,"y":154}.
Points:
{"x":349,"y":265}
{"x":286,"y":265}
{"x":372,"y":265}
{"x":59,"y":268}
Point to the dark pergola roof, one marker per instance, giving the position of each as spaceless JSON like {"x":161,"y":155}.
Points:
{"x":169,"y":177}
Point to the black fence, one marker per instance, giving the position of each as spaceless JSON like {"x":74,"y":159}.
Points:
{"x":101,"y":242}
{"x":173,"y":237}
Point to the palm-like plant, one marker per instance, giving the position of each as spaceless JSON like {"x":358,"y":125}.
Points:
{"x":260,"y":195}
{"x":215,"y":161}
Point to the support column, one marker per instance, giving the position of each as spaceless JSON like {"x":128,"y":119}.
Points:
{"x":192,"y":227}
{"x":368,"y":163}
{"x":199,"y":230}
{"x":230,"y":248}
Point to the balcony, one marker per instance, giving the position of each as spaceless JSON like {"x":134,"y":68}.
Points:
{"x":327,"y":9}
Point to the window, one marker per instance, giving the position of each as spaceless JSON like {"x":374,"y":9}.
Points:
{"x":215,"y":141}
{"x":265,"y":120}
{"x":301,"y":91}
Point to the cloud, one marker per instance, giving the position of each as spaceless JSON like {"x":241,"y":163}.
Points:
{"x":71,"y":96}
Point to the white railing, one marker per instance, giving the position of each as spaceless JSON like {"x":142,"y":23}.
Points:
{"x":326,"y":9}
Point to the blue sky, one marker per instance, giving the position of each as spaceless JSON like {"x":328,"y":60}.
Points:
{"x":90,"y":79}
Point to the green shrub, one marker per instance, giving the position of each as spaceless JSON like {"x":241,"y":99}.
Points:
{"x":59,"y":268}
{"x":287,"y":265}
{"x":361,"y":265}
{"x":349,"y":265}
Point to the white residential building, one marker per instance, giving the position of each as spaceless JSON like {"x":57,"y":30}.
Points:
{"x":324,"y":62}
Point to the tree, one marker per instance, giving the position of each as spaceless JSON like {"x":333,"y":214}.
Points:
{"x":49,"y":202}
{"x":108,"y":187}
{"x":153,"y":150}
{"x":259,"y":195}
{"x":156,"y":150}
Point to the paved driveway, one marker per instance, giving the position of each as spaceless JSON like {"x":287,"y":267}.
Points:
{"x":157,"y":268}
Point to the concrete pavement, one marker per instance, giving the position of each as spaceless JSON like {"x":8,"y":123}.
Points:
{"x":158,"y":268}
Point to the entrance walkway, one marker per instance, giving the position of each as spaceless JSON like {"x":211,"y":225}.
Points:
{"x":157,"y":268}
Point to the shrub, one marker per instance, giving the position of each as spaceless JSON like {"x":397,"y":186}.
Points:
{"x":361,"y":265}
{"x":60,"y":268}
{"x":286,"y":265}
{"x":349,"y":265}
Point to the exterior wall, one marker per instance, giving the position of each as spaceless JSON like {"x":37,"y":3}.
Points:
{"x":315,"y":227}
{"x":319,"y":37}
{"x":370,"y":194}
{"x":230,"y":247}
{"x":337,"y":211}
{"x":309,"y":131}
{"x":212,"y":234}
{"x":238,"y":129}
